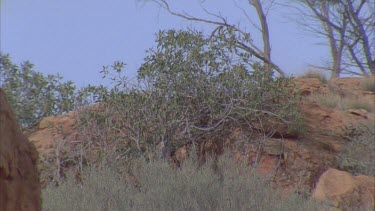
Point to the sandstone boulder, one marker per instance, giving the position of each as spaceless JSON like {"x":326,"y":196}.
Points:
{"x":341,"y":189}
{"x":19,"y":177}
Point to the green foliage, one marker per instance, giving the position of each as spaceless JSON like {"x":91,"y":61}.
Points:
{"x":187,"y":92}
{"x":190,"y":88}
{"x":358,"y":155}
{"x":219,"y":184}
{"x":33,"y":95}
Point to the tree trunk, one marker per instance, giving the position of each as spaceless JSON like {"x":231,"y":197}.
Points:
{"x":335,"y":72}
{"x":336,"y":52}
{"x":265,"y":34}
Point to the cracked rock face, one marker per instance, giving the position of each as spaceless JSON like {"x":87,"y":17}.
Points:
{"x":19,"y":177}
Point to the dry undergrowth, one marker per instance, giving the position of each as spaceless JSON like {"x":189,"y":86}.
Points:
{"x":219,"y":184}
{"x":315,"y":74}
{"x":334,"y":100}
{"x":358,"y":154}
{"x":344,"y":99}
{"x":368,"y":84}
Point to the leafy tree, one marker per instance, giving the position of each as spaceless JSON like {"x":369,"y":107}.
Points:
{"x":33,"y":95}
{"x":191,"y":88}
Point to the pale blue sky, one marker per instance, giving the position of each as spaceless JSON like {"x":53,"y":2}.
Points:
{"x":77,"y":37}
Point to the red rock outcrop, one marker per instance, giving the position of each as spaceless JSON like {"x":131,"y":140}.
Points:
{"x":19,"y":177}
{"x":341,"y":189}
{"x":51,"y":130}
{"x":307,"y":86}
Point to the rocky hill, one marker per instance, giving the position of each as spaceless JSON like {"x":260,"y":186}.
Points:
{"x":307,"y":163}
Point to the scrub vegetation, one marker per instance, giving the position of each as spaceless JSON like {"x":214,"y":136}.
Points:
{"x":221,"y":184}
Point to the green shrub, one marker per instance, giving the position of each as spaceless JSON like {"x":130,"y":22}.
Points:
{"x":358,"y":155}
{"x":33,"y":95}
{"x":187,"y":91}
{"x":190,"y":88}
{"x":315,"y":74}
{"x":216,"y":185}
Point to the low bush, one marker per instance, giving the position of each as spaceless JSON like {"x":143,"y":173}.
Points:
{"x":315,"y":74}
{"x":358,"y":155}
{"x":219,"y":184}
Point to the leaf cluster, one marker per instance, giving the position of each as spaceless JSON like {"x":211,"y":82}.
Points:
{"x":33,"y":95}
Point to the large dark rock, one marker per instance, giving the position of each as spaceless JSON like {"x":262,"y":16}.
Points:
{"x":19,"y":177}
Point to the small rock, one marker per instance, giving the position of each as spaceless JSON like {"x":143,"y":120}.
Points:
{"x":358,"y":112}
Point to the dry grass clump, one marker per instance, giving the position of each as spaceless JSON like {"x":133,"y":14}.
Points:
{"x":334,"y":100}
{"x":315,"y":74}
{"x":350,"y":103}
{"x":220,"y":184}
{"x":368,"y":84}
{"x":330,"y":100}
{"x":358,"y":155}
